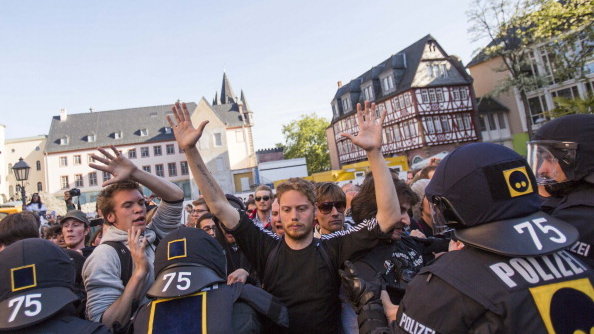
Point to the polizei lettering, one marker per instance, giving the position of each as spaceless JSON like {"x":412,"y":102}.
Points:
{"x":535,"y":270}
{"x":580,"y":248}
{"x":412,"y":326}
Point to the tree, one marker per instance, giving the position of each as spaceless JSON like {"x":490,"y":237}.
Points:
{"x":306,"y":138}
{"x":564,"y":28}
{"x":565,"y":106}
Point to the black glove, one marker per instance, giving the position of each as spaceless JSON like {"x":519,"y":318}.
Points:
{"x":360,"y":292}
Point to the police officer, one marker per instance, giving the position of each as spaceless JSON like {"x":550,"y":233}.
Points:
{"x":562,"y":157}
{"x":191,"y":295}
{"x":513,"y":274}
{"x":36,"y":282}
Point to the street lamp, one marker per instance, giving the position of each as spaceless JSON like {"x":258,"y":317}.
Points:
{"x":21,"y":172}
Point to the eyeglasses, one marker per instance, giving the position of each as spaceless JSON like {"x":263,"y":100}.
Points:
{"x":199,"y":211}
{"x":326,"y":207}
{"x":208,"y":228}
{"x":265,"y":198}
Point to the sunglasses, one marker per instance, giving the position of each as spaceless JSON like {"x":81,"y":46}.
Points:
{"x":326,"y":207}
{"x":265,"y":198}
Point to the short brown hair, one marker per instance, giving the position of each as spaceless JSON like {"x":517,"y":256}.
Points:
{"x":364,"y":205}
{"x":204,"y":217}
{"x":199,"y":201}
{"x":329,"y":191}
{"x":263,"y":187}
{"x":18,"y":226}
{"x":303,"y":186}
{"x":104,"y":200}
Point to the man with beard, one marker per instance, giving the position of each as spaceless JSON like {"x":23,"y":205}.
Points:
{"x":112,"y":292}
{"x":298,"y":269}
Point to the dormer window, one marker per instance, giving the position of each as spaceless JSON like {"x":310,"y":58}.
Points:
{"x":117,"y":135}
{"x":346,"y":104}
{"x":368,"y":92}
{"x":388,"y":83}
{"x":167,"y":130}
{"x":64,"y":140}
{"x":91,"y":138}
{"x":144,"y":132}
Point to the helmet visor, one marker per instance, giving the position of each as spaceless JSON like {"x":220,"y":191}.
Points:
{"x":443,"y":215}
{"x":552,"y":161}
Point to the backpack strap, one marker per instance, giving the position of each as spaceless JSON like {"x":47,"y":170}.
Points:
{"x":125,"y":259}
{"x":324,"y":253}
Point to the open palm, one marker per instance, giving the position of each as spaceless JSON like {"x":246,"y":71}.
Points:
{"x":370,"y":128}
{"x":186,"y":135}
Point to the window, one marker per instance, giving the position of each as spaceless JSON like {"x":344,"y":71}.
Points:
{"x":492,"y":125}
{"x":91,"y":138}
{"x":443,"y":71}
{"x":76,"y":160}
{"x":407,"y":100}
{"x":429,"y":125}
{"x":167,"y":130}
{"x":143,"y":132}
{"x":445,"y":124}
{"x":38,"y":165}
{"x":39,"y":186}
{"x":218,"y":139}
{"x":64,"y":182}
{"x":157,"y":150}
{"x":424,"y":96}
{"x":456,"y":93}
{"x":183,"y":165}
{"x":368,"y":91}
{"x":78,"y":180}
{"x":346,"y":104}
{"x":537,"y":107}
{"x":106,"y":176}
{"x":239,"y":136}
{"x":146,"y":169}
{"x":172,"y":169}
{"x":439,"y":93}
{"x":401,"y":101}
{"x":179,"y":149}
{"x":159,"y":170}
{"x":64,"y":140}
{"x":92,"y":179}
{"x":501,"y":118}
{"x":90,"y":158}
{"x":132,"y":153}
{"x":144,"y":152}
{"x":170,"y":149}
{"x":482,"y":124}
{"x":464,"y":94}
{"x":117,"y":135}
{"x":388,"y":83}
{"x":432,"y":96}
{"x":37,"y":148}
{"x":63,"y":161}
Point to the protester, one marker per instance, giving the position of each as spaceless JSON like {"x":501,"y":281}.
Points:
{"x":421,"y":221}
{"x":199,"y":300}
{"x":562,"y":156}
{"x":251,"y":208}
{"x":512,"y":275}
{"x":75,"y":229}
{"x":199,"y":209}
{"x":18,"y":226}
{"x":55,"y":235}
{"x":277,"y":226}
{"x":350,"y":191}
{"x":96,"y":238}
{"x":263,"y":200}
{"x":331,"y":204}
{"x":290,"y":264}
{"x":36,"y":206}
{"x":207,"y":224}
{"x":68,"y":201}
{"x":36,"y":284}
{"x":119,"y":271}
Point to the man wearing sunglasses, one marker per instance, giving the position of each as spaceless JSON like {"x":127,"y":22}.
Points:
{"x":331,"y":204}
{"x":263,"y":200}
{"x":299,"y":270}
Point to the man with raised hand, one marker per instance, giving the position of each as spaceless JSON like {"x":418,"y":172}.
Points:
{"x":120,"y":270}
{"x":299,"y":269}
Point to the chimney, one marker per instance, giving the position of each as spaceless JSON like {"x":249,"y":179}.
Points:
{"x":63,"y":114}
{"x":339,"y":83}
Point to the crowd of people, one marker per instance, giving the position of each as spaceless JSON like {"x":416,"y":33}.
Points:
{"x":477,"y":242}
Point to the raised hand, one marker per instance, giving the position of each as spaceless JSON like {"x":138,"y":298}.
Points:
{"x":370,"y":128}
{"x":186,"y":135}
{"x":120,"y":167}
{"x":137,"y":244}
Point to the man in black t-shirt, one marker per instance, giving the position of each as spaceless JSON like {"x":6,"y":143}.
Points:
{"x":298,"y":269}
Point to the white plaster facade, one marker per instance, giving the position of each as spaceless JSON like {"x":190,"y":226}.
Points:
{"x":31,"y":149}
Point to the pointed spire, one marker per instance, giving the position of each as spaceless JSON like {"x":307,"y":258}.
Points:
{"x":215,"y":101}
{"x":244,"y":101}
{"x":227,"y":95}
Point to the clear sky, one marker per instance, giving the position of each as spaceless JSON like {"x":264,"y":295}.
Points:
{"x":286,"y":56}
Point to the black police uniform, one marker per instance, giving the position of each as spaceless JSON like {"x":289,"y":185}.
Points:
{"x":191,"y":295}
{"x":513,"y":275}
{"x":573,"y":201}
{"x":36,"y":282}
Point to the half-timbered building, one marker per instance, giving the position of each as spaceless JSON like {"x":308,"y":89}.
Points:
{"x":429,"y":101}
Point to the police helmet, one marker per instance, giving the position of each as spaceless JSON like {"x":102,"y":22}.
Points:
{"x":36,"y":281}
{"x":186,"y":261}
{"x":563,"y":150}
{"x":487,"y":194}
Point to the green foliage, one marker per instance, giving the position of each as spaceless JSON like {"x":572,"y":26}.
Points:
{"x":562,"y":29}
{"x":566,"y":106}
{"x":306,"y":138}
